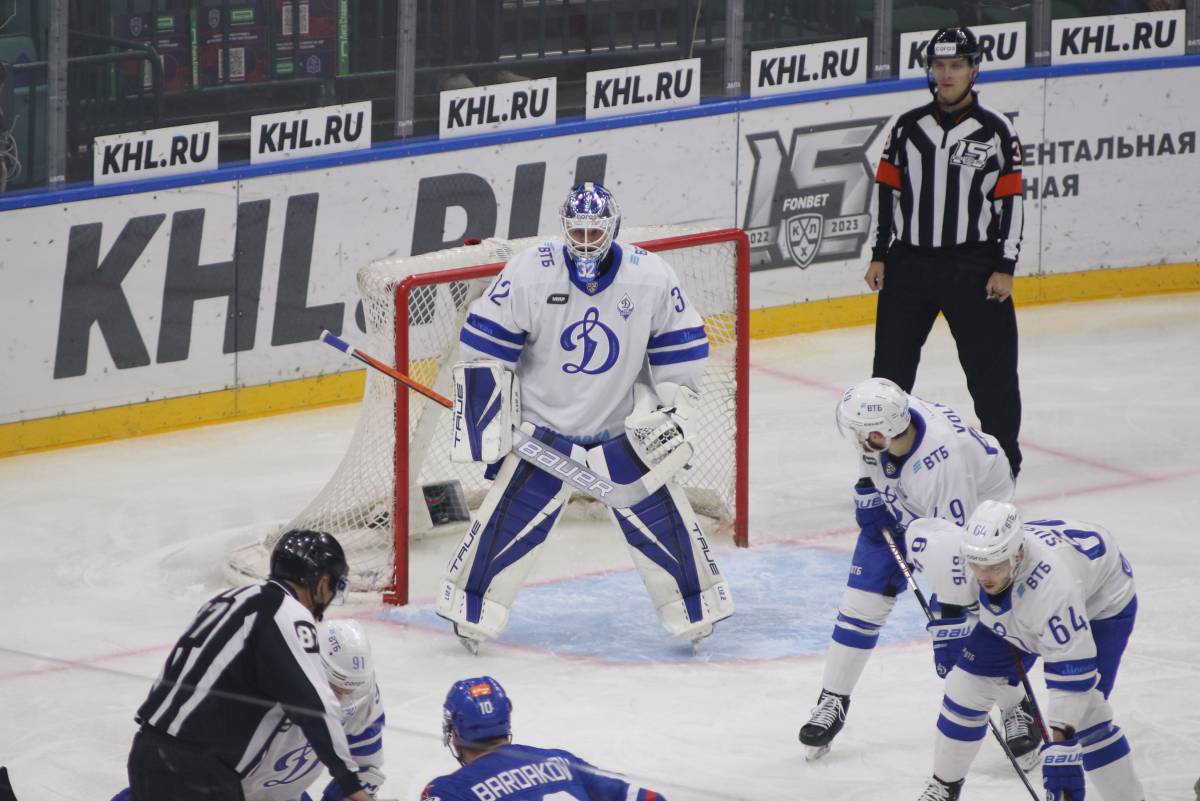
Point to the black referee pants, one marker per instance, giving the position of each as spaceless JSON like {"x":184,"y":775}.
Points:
{"x":918,"y":283}
{"x":161,"y":768}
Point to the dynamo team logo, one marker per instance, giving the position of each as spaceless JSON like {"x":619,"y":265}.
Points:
{"x":810,"y":200}
{"x":597,"y":343}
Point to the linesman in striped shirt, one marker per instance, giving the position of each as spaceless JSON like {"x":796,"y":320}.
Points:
{"x":248,"y":663}
{"x":948,"y":236}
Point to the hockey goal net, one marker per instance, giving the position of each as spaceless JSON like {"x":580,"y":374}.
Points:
{"x":396,"y":482}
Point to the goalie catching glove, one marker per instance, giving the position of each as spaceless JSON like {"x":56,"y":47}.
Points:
{"x":655,"y":435}
{"x":487,"y":402}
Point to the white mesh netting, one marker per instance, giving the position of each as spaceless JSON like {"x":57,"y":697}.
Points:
{"x":357,"y":504}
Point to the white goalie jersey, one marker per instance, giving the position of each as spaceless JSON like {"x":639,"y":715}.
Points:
{"x":951,"y":468}
{"x":1072,"y":573}
{"x":579,"y":347}
{"x":290,"y":766}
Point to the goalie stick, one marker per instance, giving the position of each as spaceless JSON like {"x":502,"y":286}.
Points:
{"x":543,"y":456}
{"x":920,"y":596}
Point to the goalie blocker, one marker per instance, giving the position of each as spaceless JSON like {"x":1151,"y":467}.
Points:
{"x":661,"y":531}
{"x":487,"y":401}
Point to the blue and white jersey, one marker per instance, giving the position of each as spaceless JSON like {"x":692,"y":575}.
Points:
{"x":1072,"y":573}
{"x":950,"y":469}
{"x":290,"y":766}
{"x":578,"y":348}
{"x":525,"y":773}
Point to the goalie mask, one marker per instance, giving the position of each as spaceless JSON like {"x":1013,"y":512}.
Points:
{"x":476,"y":712}
{"x":991,"y":544}
{"x":876,"y":404}
{"x":590,"y":222}
{"x":346,"y":657}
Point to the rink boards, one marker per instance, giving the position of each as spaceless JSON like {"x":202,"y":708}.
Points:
{"x":141,"y":307}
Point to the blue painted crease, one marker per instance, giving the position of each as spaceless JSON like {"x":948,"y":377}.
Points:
{"x":786,"y":597}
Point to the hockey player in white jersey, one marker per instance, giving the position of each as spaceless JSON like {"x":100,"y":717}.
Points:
{"x":1059,"y":589}
{"x":923,"y":461}
{"x":592,"y":346}
{"x":289,"y":766}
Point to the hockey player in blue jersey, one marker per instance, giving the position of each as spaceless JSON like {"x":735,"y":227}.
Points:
{"x":477,"y":728}
{"x":1059,"y":589}
{"x":922,"y":460}
{"x":589,"y":344}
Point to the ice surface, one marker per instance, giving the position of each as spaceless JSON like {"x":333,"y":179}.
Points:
{"x":108,"y":550}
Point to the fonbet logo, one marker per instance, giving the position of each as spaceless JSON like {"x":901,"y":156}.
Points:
{"x":810,"y":200}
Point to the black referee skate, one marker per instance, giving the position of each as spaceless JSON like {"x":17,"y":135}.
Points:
{"x":938,"y":790}
{"x":1021,"y":736}
{"x":828,"y":717}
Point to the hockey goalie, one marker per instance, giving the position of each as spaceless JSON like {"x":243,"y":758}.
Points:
{"x":589,"y":345}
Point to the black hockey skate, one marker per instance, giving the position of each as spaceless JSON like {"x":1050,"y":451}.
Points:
{"x":1021,"y":735}
{"x":938,"y":790}
{"x":828,"y":717}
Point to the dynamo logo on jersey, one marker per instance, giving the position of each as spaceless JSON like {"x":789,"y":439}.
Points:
{"x":294,"y":766}
{"x":587,"y":333}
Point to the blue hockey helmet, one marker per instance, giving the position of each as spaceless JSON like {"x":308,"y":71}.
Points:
{"x":476,"y":711}
{"x":590,"y":222}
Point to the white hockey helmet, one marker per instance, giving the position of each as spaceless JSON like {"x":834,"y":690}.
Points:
{"x":346,"y":656}
{"x":993,"y":535}
{"x":876,"y":404}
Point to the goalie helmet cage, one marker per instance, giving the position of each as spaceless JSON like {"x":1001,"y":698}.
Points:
{"x":396,"y":482}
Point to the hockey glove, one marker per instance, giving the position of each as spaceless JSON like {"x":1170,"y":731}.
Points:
{"x":1062,"y":771}
{"x":655,"y":435}
{"x":949,"y":634}
{"x":487,"y":403}
{"x":871,"y":513}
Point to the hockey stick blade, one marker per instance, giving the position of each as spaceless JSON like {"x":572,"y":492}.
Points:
{"x":539,"y":454}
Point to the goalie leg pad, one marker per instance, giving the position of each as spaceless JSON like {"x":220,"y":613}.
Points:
{"x":668,"y":547}
{"x":489,"y":567}
{"x":486,"y":404}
